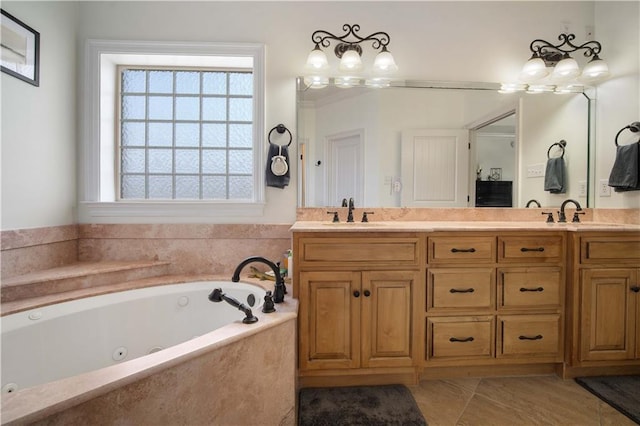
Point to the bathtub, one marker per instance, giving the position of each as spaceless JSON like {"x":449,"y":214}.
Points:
{"x":72,"y":360}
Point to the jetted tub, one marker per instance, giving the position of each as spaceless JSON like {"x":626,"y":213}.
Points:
{"x":125,"y":336}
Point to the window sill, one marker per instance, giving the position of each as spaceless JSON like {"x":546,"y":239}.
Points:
{"x":175,"y":211}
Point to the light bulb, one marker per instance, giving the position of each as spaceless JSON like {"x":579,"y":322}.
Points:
{"x":512,"y":87}
{"x":534,"y":69}
{"x":316,"y":81}
{"x":595,"y":69}
{"x":346,"y":82}
{"x":350,"y":61}
{"x":566,"y":69}
{"x":384,"y":62}
{"x":317,"y":59}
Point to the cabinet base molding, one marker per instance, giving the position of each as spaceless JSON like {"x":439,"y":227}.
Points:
{"x":568,"y":372}
{"x":434,"y":373}
{"x":360,"y":377}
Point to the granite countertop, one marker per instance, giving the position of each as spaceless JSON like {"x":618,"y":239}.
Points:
{"x":434,"y":226}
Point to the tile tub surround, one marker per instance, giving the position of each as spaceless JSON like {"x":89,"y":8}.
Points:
{"x":190,"y":248}
{"x":221,"y":377}
{"x":28,"y":250}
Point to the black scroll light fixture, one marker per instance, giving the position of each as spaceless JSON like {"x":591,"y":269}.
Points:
{"x":552,"y":69}
{"x":349,"y":49}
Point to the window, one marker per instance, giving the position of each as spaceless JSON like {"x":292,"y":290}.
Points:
{"x":172,"y":130}
{"x":185,"y":134}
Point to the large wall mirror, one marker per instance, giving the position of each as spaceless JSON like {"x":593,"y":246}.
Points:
{"x":437,"y":144}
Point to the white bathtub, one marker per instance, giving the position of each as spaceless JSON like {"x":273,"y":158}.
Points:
{"x":67,"y":339}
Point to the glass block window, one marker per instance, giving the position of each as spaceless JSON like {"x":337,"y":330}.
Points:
{"x":185,"y":134}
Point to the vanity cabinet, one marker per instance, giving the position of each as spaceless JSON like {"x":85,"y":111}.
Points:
{"x":494,"y":298}
{"x":358,"y":296}
{"x":604,"y":302}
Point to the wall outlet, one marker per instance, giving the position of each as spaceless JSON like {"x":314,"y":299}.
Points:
{"x":582,"y":188}
{"x":604,"y":190}
{"x":535,"y":170}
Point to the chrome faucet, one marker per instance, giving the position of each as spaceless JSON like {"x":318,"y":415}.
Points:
{"x":351,"y":207}
{"x":534,"y":202}
{"x":562,"y":218}
{"x":280,"y":289}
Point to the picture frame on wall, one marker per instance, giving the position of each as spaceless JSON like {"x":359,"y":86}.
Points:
{"x":20,"y":49}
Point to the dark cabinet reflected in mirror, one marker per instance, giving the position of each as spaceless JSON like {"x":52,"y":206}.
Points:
{"x":429,"y":144}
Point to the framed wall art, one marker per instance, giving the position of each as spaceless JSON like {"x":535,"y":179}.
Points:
{"x":20,"y":49}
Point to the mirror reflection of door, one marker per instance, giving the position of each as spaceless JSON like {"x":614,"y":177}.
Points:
{"x":494,"y":163}
{"x":344,"y":172}
{"x":435,"y":164}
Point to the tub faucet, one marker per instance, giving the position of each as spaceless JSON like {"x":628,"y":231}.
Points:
{"x":280,"y":289}
{"x":562,"y":218}
{"x":532,"y":202}
{"x":218,"y":296}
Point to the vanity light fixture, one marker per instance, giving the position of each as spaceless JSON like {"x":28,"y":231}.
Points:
{"x":551,"y":67}
{"x":349,"y":50}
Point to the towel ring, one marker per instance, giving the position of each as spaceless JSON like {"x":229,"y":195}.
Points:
{"x":634,"y":127}
{"x":280,"y":128}
{"x":561,"y":144}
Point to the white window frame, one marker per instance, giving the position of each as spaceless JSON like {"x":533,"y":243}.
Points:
{"x":97,"y":168}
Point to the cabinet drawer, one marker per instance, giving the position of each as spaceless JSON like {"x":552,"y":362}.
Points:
{"x":462,"y":249}
{"x":460,"y":337}
{"x":529,"y":287}
{"x":393,"y":251}
{"x":460,"y":288}
{"x":610,"y":249}
{"x":528,"y":335}
{"x":530,"y":248}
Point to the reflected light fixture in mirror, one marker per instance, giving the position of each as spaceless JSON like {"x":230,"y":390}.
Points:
{"x":349,"y":49}
{"x":552,"y":69}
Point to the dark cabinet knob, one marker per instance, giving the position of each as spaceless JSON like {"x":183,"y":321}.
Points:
{"x":356,"y":293}
{"x":635,"y":289}
{"x":367,"y":293}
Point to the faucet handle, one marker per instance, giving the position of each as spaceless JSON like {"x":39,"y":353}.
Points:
{"x":364,"y":216}
{"x":549,"y":217}
{"x":335,"y":217}
{"x":576,"y":218}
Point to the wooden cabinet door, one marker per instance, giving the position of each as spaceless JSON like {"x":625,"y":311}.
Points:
{"x":386,"y":318}
{"x":329,"y":319}
{"x":608,"y":314}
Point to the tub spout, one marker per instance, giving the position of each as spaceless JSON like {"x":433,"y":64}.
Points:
{"x":218,"y":296}
{"x":280,"y":289}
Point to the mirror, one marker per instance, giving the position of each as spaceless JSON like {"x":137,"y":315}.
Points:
{"x":429,"y":144}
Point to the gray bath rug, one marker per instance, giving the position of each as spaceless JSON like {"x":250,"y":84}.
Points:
{"x":359,"y":405}
{"x":620,"y":392}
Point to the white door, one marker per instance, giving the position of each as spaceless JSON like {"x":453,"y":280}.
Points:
{"x":345,"y":172}
{"x":435,"y":168}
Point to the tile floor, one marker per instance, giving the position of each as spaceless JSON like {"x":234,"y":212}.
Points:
{"x":509,"y":401}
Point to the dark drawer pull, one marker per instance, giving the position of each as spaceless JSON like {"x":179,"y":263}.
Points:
{"x":523,"y":289}
{"x":526,"y":249}
{"x":635,"y":289}
{"x":538,"y":337}
{"x":457,"y":250}
{"x":466,"y":290}
{"x":466,"y":339}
